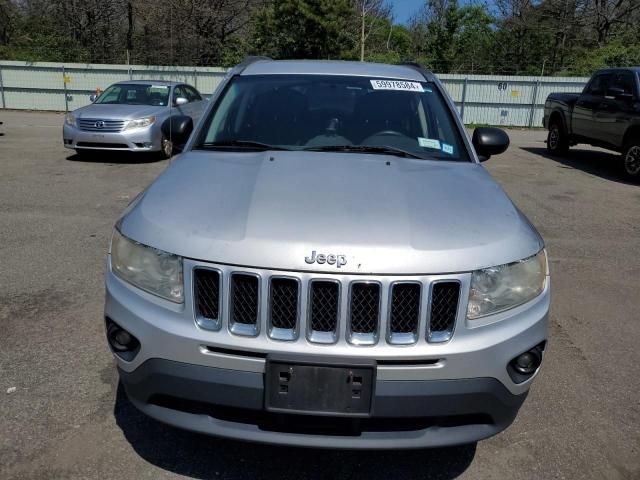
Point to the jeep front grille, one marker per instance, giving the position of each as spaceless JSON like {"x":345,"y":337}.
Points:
{"x":283,"y":308}
{"x":444,"y":305}
{"x":364,"y":313}
{"x":324,"y":305}
{"x":207,"y":297}
{"x":358,"y":309}
{"x":245,"y":303}
{"x":404,"y":312}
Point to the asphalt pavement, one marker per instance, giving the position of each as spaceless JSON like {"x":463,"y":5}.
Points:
{"x":63,"y":416}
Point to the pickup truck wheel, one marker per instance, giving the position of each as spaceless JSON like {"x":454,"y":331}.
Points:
{"x":631,"y":157}
{"x":557,"y":140}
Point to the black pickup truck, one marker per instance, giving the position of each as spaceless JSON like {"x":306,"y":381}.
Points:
{"x":606,"y":114}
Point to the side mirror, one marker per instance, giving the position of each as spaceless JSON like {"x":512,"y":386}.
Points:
{"x":178,"y":129}
{"x":181,"y":101}
{"x":619,"y":94}
{"x":489,"y":141}
{"x":93,"y":97}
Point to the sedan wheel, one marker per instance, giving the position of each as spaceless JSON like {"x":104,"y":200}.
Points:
{"x":167,"y":148}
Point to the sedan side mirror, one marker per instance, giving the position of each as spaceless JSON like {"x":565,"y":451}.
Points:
{"x":489,"y":141}
{"x":181,"y":101}
{"x":93,"y":97}
{"x":178,"y":129}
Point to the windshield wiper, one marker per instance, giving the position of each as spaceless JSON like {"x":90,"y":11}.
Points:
{"x":240,"y":143}
{"x":365,"y":149}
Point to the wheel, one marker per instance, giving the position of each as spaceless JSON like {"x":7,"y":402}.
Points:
{"x":631,"y":160}
{"x":557,"y":140}
{"x":166,"y":147}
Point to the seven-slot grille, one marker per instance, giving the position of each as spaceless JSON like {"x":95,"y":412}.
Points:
{"x":99,"y":125}
{"x":283,"y":303}
{"x":245,"y":303}
{"x":444,"y":305}
{"x":324,"y":306}
{"x":364,"y":312}
{"x":405,"y":312}
{"x":402,"y":316}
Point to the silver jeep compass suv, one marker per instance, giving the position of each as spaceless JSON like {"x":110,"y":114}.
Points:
{"x":328,"y":264}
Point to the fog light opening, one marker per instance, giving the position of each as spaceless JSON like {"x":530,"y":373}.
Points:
{"x":526,"y":364}
{"x":123,"y":343}
{"x":121,"y":340}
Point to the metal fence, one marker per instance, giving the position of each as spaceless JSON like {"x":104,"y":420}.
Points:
{"x":481,"y":99}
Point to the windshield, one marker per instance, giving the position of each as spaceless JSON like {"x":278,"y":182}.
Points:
{"x":135,"y":94}
{"x":333,"y":113}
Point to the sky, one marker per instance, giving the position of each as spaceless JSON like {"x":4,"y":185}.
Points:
{"x":403,"y":10}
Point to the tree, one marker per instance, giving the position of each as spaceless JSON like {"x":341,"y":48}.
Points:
{"x":7,"y":19}
{"x":606,"y":16}
{"x":509,"y":36}
{"x":474,"y":41}
{"x":303,"y":28}
{"x":369,"y":12}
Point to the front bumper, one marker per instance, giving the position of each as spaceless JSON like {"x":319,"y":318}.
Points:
{"x":425,"y":395}
{"x":410,"y":414}
{"x":147,"y":139}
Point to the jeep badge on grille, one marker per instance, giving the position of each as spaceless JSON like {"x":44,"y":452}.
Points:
{"x":331,"y":259}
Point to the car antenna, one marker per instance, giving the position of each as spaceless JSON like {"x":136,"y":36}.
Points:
{"x":171,"y":87}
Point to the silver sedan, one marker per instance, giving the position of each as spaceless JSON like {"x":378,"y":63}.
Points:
{"x":129,"y":115}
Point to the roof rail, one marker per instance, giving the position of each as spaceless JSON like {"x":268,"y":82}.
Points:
{"x":249,"y":60}
{"x":426,"y":73}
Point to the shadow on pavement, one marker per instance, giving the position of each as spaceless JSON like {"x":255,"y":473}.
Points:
{"x":607,"y":165}
{"x":203,"y":457}
{"x":116,"y":157}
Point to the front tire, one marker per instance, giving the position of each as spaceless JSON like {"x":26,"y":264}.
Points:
{"x":557,"y":139}
{"x":166,"y":148}
{"x":631,"y":160}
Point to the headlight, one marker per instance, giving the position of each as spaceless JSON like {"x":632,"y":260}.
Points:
{"x":69,"y":119}
{"x":506,"y":286}
{"x":140,"y":122}
{"x":147,"y":268}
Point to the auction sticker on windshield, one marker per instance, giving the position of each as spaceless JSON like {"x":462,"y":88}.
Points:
{"x":429,"y":143}
{"x":396,"y":85}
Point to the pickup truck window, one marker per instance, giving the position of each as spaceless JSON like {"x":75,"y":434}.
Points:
{"x":624,"y":81}
{"x":333,"y":113}
{"x":598,"y":85}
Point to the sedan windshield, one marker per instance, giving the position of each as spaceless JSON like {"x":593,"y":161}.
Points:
{"x":135,"y":94}
{"x":333,"y":113}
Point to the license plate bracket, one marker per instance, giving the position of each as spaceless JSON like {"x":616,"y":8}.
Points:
{"x":319,"y":387}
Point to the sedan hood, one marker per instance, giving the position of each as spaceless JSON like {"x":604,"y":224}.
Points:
{"x":383,"y":214}
{"x":117,"y":112}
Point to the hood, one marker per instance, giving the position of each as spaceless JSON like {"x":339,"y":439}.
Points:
{"x":384,"y":215}
{"x":117,"y":112}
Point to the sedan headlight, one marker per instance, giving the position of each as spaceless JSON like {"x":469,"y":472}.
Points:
{"x":70,"y":119}
{"x":506,"y":286}
{"x":140,"y":122}
{"x":147,"y":268}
